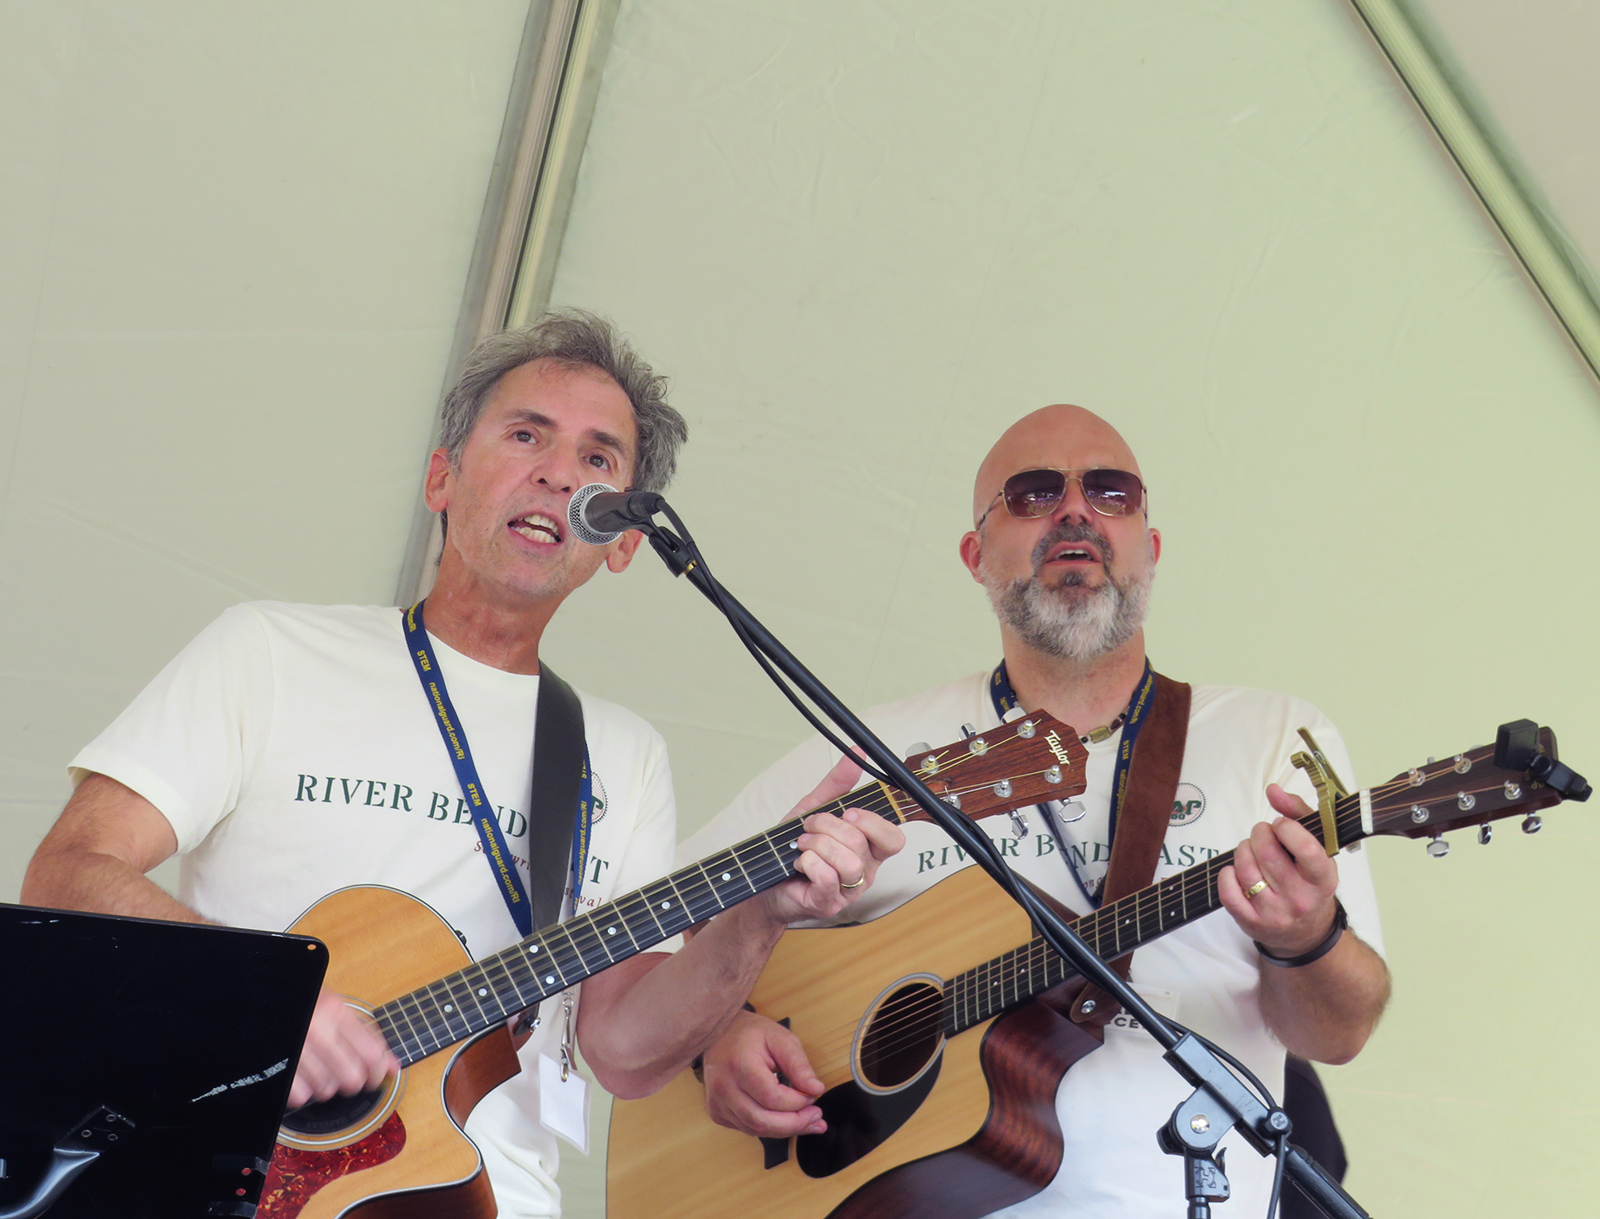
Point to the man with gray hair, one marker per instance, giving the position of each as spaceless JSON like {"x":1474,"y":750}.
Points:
{"x":1062,"y":544}
{"x":290,"y":751}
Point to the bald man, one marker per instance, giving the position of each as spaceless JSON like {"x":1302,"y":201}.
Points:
{"x":1062,"y":543}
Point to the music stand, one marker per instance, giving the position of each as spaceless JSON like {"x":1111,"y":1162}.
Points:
{"x":144,"y":1065}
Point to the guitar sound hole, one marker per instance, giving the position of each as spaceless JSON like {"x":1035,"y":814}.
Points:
{"x":327,"y":1116}
{"x":902,"y":1037}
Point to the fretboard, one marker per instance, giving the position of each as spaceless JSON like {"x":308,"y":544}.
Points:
{"x":490,"y":991}
{"x":1112,"y":931}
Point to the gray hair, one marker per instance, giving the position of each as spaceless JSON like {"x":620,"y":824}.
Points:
{"x":576,"y":338}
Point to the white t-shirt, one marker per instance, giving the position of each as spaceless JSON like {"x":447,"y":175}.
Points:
{"x":294,"y":752}
{"x":1205,"y":975}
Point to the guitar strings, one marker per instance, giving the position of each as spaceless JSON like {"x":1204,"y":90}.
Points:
{"x":911,"y":1013}
{"x":876,"y":796}
{"x":1003,"y":972}
{"x":760,"y":875}
{"x":409,"y":1023}
{"x":1025,"y":962}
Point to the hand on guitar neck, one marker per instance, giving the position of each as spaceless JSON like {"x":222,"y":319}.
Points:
{"x":840,"y":854}
{"x":1294,"y":911}
{"x":1326,"y":1009}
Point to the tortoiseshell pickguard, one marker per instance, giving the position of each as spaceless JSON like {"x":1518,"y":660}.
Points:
{"x":297,"y":1173}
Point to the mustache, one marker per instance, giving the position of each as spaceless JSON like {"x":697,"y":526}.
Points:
{"x":1073,"y":531}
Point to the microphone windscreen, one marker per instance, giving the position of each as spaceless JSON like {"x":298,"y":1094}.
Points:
{"x":580,"y":528}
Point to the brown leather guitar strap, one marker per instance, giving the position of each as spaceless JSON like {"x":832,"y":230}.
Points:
{"x":1141,"y":822}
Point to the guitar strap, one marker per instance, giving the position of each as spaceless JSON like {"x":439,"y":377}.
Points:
{"x":1142,"y":822}
{"x":560,"y":768}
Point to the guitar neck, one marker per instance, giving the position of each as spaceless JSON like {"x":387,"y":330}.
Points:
{"x":1113,"y":931}
{"x":490,"y":991}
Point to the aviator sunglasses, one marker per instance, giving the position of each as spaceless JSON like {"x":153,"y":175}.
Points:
{"x":1031,"y":493}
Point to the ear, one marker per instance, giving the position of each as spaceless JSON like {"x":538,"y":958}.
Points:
{"x":620,"y":553}
{"x":1155,"y":545}
{"x":436,"y":487}
{"x":972,"y":553}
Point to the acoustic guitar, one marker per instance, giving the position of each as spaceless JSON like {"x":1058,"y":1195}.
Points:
{"x":940,"y":1068}
{"x":399,"y":1151}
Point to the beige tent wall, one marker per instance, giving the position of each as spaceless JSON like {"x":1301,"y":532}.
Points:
{"x":864,"y":238}
{"x":233,"y":240}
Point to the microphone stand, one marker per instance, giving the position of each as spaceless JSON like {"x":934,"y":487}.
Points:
{"x":1219,"y":1103}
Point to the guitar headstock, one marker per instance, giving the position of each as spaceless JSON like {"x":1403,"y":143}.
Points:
{"x":1022,"y":762}
{"x":1518,"y":774}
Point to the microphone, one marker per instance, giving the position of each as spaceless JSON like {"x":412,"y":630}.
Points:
{"x":598,"y":514}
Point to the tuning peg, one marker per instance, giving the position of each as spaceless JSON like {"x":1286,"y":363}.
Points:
{"x":1019,"y":824}
{"x":969,"y":731}
{"x":1532,"y":823}
{"x":1485,"y":832}
{"x":1069,"y":812}
{"x":1438,"y":847}
{"x":919,"y":747}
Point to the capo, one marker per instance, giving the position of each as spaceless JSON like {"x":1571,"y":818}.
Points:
{"x":1329,"y":788}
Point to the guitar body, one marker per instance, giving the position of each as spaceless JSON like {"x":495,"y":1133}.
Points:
{"x":401,"y":1154}
{"x":971,"y":1129}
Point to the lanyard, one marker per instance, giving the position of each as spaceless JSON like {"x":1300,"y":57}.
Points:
{"x":1005,"y":698}
{"x":495,"y":849}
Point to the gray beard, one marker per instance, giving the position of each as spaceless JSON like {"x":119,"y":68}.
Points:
{"x":1068,"y":619}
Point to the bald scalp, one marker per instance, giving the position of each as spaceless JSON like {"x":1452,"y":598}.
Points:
{"x":1062,"y":437}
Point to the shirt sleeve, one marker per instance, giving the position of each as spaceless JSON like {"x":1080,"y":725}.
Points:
{"x":189,"y":739}
{"x":1356,"y":890}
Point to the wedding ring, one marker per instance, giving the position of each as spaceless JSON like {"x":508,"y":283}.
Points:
{"x":1256,"y":889}
{"x":858,"y":883}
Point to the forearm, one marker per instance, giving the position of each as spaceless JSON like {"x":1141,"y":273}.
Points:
{"x":648,"y":1018}
{"x":1325,"y":1011}
{"x":77,"y":879}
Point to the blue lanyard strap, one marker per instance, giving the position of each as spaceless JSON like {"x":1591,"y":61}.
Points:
{"x":495,"y":848}
{"x":1005,"y":698}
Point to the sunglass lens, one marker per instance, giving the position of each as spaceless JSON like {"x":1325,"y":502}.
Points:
{"x":1034,"y":492}
{"x":1113,"y":492}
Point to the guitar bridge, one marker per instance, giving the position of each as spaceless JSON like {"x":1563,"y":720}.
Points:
{"x":774,"y":1152}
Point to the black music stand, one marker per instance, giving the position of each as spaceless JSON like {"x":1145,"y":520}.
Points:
{"x":144,"y":1065}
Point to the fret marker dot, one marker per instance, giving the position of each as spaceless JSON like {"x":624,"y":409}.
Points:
{"x":549,"y":980}
{"x":482,"y":991}
{"x":794,"y":846}
{"x":448,"y":1008}
{"x":727,"y":876}
{"x":664,"y":905}
{"x":533,"y":950}
{"x":611,"y":931}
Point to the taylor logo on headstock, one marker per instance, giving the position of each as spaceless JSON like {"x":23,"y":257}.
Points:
{"x":1053,"y":739}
